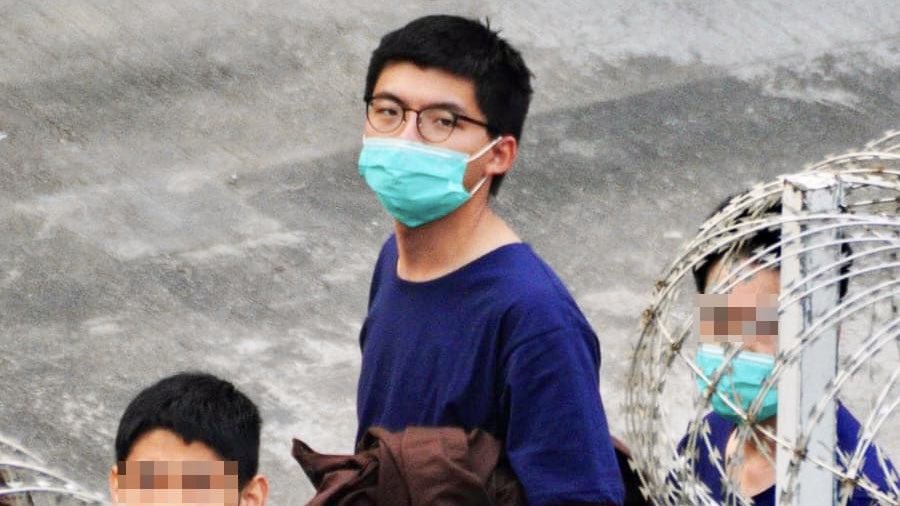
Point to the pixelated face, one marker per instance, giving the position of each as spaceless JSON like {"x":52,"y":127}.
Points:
{"x":747,"y":315}
{"x":163,"y":469}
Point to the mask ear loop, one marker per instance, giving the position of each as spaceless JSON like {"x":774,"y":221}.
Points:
{"x":478,"y":154}
{"x":477,"y":186}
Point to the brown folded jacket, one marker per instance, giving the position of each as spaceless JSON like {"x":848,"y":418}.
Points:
{"x":417,"y":466}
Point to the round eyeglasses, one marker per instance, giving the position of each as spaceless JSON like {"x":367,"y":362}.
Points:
{"x":435,"y":124}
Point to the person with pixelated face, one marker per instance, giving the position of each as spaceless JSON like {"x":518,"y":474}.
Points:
{"x":466,"y":325}
{"x":746,"y":316}
{"x":190,"y":438}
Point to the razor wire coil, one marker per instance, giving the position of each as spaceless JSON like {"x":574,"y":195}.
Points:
{"x":863,"y":234}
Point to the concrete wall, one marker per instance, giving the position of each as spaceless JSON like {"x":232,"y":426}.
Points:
{"x":178,"y":187}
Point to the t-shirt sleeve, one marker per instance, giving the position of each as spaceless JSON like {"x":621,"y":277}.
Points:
{"x":557,"y":439}
{"x":875,"y":466}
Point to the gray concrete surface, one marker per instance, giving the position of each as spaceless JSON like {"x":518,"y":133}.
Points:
{"x":178,"y":186}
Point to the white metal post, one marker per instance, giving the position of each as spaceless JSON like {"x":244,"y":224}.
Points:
{"x":804,"y":381}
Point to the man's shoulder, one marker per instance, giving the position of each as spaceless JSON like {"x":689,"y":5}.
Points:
{"x":713,"y":426}
{"x":538,"y":287}
{"x":525,"y":272}
{"x":388,"y":248}
{"x":535,"y":302}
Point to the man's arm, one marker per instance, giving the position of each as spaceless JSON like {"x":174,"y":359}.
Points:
{"x":557,"y":439}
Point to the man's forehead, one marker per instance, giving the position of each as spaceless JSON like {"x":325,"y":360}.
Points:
{"x":737,"y":300}
{"x":744,"y":275}
{"x":420,"y":87}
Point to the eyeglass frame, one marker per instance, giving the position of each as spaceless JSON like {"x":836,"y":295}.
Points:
{"x":456,"y":117}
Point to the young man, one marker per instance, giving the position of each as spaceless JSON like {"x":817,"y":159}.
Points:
{"x":190,"y":438}
{"x":753,"y":304}
{"x":466,"y":326}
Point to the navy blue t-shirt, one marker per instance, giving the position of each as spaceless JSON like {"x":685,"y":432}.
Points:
{"x":848,"y":432}
{"x":498,"y":345}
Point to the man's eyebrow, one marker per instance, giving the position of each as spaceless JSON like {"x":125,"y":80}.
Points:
{"x":451,"y":106}
{"x":387,"y":94}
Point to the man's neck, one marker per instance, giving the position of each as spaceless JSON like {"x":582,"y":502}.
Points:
{"x":756,"y":471}
{"x":443,"y":246}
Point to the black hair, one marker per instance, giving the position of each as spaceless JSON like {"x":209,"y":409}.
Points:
{"x":197,"y":407}
{"x":469,"y":49}
{"x":760,"y":240}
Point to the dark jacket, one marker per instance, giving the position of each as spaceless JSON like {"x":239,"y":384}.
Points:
{"x":417,"y":466}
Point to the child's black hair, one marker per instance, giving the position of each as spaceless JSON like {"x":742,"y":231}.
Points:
{"x":197,"y":407}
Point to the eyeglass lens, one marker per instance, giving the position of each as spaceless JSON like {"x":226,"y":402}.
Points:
{"x":435,"y":124}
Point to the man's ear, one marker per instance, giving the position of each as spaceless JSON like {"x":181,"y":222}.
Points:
{"x":501,"y":156}
{"x":255,"y":491}
{"x":113,"y":481}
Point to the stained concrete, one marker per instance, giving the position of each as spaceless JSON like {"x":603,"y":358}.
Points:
{"x":178,"y":186}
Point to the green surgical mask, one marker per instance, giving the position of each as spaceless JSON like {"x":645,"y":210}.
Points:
{"x":741,"y":382}
{"x":415,"y":182}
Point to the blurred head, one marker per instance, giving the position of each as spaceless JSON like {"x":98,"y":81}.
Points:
{"x":745,"y":316}
{"x":748,"y":313}
{"x":471,"y":52}
{"x":191,"y":438}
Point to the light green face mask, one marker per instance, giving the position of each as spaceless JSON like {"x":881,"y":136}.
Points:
{"x":740,"y":383}
{"x":415,"y":182}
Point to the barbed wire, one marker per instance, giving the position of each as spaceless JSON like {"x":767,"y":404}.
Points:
{"x":26,"y":481}
{"x":861,"y":238}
